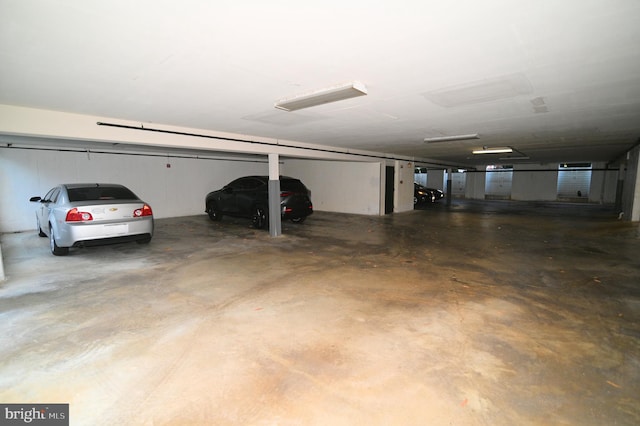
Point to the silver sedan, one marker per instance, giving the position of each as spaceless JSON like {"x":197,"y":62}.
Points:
{"x":74,"y":215}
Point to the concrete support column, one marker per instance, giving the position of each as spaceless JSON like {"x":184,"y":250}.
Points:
{"x":449,"y":185}
{"x":632,"y":180}
{"x":628,"y":197}
{"x":620,"y":187}
{"x":1,"y":266}
{"x":435,"y":179}
{"x":275,"y":219}
{"x":383,"y":188}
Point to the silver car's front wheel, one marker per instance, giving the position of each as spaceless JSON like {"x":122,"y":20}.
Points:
{"x":57,"y":251}
{"x":40,"y":232}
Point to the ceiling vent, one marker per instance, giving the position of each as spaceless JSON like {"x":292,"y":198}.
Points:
{"x":476,"y":92}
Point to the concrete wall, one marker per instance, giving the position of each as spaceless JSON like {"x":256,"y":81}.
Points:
{"x":175,"y":191}
{"x":179,"y":190}
{"x":631,"y":187}
{"x":475,"y":185}
{"x":531,"y":185}
{"x":458,"y":184}
{"x":435,"y":179}
{"x":403,"y":193}
{"x":339,"y":186}
{"x":603,"y":185}
{"x":531,"y":182}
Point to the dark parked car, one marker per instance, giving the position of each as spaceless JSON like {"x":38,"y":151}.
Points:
{"x":436,"y":194}
{"x":249,"y":197}
{"x":422,"y":194}
{"x":92,"y":213}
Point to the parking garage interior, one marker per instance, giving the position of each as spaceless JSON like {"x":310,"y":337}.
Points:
{"x":512,"y":300}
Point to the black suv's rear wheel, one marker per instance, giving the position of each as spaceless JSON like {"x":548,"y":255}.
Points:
{"x":259,"y":218}
{"x":213,"y":212}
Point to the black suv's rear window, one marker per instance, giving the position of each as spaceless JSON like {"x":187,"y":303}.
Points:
{"x":293,"y":185}
{"x":93,"y":193}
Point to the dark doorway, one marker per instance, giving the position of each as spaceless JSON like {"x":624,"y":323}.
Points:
{"x":388,"y":192}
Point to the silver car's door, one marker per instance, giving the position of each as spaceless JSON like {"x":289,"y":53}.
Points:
{"x":45,"y":208}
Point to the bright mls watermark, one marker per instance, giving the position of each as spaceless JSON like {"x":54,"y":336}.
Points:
{"x":34,"y":414}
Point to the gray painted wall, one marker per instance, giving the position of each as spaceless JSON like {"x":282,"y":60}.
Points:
{"x":475,"y":185}
{"x":530,"y":185}
{"x":338,"y":186}
{"x":178,"y":190}
{"x":533,"y":182}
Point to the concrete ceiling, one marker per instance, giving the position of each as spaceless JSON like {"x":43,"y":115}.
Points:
{"x":559,"y":81}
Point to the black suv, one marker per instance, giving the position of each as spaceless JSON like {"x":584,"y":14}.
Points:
{"x":249,"y":197}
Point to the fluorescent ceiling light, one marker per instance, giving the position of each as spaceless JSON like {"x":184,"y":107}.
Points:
{"x":501,"y":150}
{"x":323,"y":96}
{"x":452,"y":138}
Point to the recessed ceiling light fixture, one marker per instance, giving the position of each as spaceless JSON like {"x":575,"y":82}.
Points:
{"x":452,"y":138}
{"x":323,"y":96}
{"x":497,"y":150}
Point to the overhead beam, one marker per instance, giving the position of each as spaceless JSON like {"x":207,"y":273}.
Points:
{"x":50,"y":124}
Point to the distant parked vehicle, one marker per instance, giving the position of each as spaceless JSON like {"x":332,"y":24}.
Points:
{"x":422,"y":194}
{"x":437,"y":194}
{"x":74,"y":215}
{"x":249,"y":197}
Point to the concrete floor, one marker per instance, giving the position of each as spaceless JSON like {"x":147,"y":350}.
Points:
{"x":492,"y":313}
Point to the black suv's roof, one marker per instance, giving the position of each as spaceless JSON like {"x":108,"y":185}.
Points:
{"x":267,"y":177}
